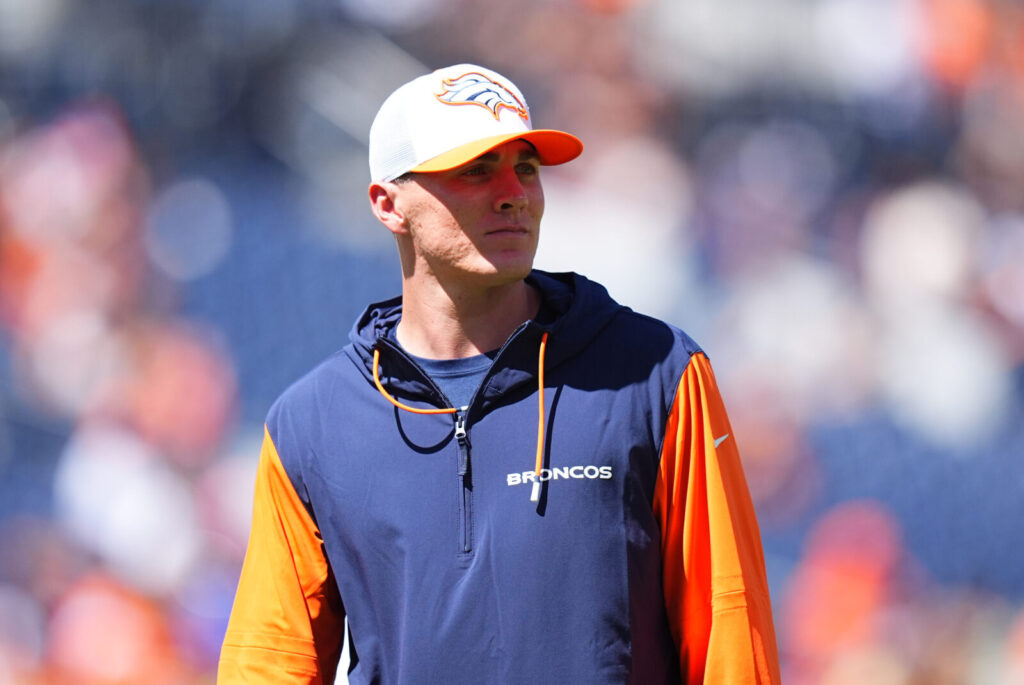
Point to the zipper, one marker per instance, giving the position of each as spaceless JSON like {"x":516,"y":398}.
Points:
{"x":464,"y":494}
{"x":465,"y":476}
{"x":465,"y":484}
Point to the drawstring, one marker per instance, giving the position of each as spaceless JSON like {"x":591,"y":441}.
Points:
{"x":392,"y":400}
{"x":539,"y":464}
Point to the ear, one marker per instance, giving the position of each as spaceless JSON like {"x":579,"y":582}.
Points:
{"x":382,"y":202}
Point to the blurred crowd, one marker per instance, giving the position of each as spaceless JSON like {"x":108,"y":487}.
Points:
{"x":827,"y":194}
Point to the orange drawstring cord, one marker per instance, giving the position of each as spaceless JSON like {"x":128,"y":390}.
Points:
{"x":392,"y":400}
{"x":539,"y":464}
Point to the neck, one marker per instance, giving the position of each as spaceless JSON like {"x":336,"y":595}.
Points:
{"x":441,"y":322}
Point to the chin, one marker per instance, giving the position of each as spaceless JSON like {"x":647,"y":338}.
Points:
{"x":501,"y":274}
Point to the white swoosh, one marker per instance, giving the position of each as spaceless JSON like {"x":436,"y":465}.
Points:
{"x":719,"y":441}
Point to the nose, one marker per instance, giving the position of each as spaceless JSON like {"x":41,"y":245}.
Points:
{"x":510,"y":195}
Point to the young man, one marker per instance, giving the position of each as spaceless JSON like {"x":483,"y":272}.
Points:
{"x":505,"y":476}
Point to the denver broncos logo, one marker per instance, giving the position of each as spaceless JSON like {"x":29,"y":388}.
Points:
{"x":476,"y":89}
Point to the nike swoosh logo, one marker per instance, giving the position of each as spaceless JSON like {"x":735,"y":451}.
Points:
{"x":719,"y":441}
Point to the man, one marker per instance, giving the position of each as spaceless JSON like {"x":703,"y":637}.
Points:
{"x":505,"y":476}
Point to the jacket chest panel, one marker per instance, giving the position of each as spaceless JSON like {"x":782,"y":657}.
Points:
{"x":398,"y":483}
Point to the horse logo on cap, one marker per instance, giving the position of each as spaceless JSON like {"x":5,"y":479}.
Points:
{"x":475,"y":88}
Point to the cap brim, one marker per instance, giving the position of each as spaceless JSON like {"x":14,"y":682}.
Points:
{"x":553,"y":147}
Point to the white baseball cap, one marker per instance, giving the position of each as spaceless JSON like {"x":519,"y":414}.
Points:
{"x":453,"y":115}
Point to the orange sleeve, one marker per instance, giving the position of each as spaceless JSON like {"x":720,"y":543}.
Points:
{"x":287,"y":622}
{"x":715,"y":588}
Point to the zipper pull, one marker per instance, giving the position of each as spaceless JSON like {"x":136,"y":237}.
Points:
{"x":462,"y":436}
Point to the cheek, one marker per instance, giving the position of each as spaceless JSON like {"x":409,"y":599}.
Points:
{"x":438,"y":235}
{"x":537,"y":202}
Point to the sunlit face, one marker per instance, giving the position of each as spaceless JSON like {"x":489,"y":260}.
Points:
{"x":479,"y":222}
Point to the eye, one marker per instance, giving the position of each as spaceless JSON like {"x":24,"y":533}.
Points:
{"x":475,"y":170}
{"x":527,"y":169}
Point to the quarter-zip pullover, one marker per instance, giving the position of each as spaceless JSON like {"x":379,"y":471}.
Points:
{"x":640,"y":562}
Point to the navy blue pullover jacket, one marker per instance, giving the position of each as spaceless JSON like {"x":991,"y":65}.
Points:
{"x":420,"y":529}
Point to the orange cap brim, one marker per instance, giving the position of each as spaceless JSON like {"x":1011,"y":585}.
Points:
{"x":554,"y":147}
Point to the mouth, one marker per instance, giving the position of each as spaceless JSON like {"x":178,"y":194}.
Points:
{"x":508,"y":230}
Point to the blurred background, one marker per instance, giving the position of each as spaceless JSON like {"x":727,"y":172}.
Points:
{"x":827,"y":194}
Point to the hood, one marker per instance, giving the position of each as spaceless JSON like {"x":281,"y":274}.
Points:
{"x":582,"y":308}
